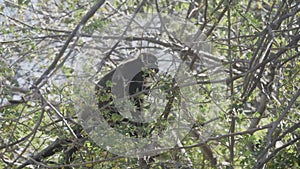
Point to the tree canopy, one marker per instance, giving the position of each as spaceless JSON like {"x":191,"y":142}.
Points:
{"x":238,"y":87}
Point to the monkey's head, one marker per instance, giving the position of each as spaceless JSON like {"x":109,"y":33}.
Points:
{"x":149,"y":61}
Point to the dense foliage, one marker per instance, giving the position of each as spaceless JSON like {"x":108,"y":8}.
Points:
{"x":256,"y":42}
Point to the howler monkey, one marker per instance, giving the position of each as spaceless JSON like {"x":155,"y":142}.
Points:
{"x":128,"y":77}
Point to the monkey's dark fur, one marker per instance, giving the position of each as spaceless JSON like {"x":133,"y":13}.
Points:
{"x":136,"y":87}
